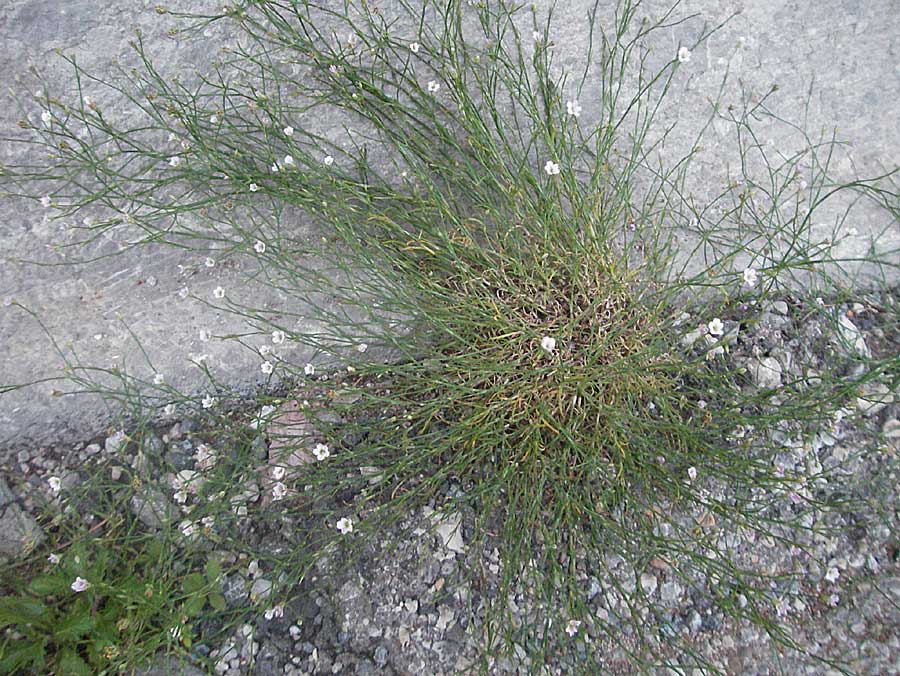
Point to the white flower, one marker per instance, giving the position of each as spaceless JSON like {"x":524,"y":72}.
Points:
{"x":295,"y":632}
{"x":53,"y":558}
{"x":259,"y":247}
{"x":288,"y":130}
{"x":266,"y":367}
{"x":159,"y":379}
{"x":208,"y":522}
{"x":414,"y":47}
{"x":362,"y":347}
{"x":832,"y":575}
{"x":833,"y":600}
{"x":274,"y":611}
{"x":684,"y":55}
{"x":572,"y":627}
{"x":715,"y":352}
{"x":537,"y":36}
{"x":309,"y":369}
{"x":253,"y":187}
{"x":279,"y":490}
{"x":183,"y":292}
{"x":253,"y":569}
{"x":46,"y":201}
{"x":46,"y":117}
{"x":174,"y":161}
{"x":288,"y":161}
{"x":321,"y":451}
{"x":79,"y":585}
{"x":551,"y":167}
{"x":345,"y":525}
{"x":188,"y":528}
{"x":548,"y":344}
{"x":701,"y":404}
{"x":55,"y":484}
{"x":716,"y":327}
{"x":278,"y":336}
{"x":692,"y":473}
{"x":274,"y":167}
{"x":750,"y":277}
{"x":218,"y":292}
{"x":210,"y":262}
{"x":175,"y":632}
{"x":204,"y":335}
{"x":213,"y":119}
{"x":573,"y":108}
{"x":328,"y":161}
{"x":264,"y":350}
{"x":208,"y":401}
{"x":433,"y":87}
{"x":169,"y":409}
{"x":278,"y":472}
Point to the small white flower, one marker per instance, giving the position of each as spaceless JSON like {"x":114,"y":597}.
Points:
{"x":750,"y":277}
{"x":275,"y":611}
{"x":174,"y":161}
{"x":205,"y":457}
{"x":79,"y":585}
{"x":46,"y":202}
{"x":345,"y":525}
{"x":551,"y":167}
{"x":208,"y":522}
{"x":288,"y":131}
{"x":295,"y":632}
{"x":537,"y":36}
{"x":279,"y":490}
{"x":210,"y":262}
{"x":159,"y":379}
{"x":433,"y":87}
{"x":218,"y":292}
{"x":684,"y":55}
{"x":274,"y":167}
{"x":328,"y":161}
{"x":321,"y":451}
{"x":692,"y":473}
{"x":208,"y":401}
{"x":266,"y":367}
{"x":46,"y":117}
{"x":253,"y":569}
{"x":55,"y":484}
{"x":715,"y":352}
{"x":278,"y":472}
{"x":253,"y":187}
{"x":259,"y":247}
{"x":572,"y":627}
{"x":309,"y":370}
{"x":188,"y":528}
{"x":701,"y":404}
{"x":204,"y":335}
{"x":169,"y":409}
{"x":832,"y":575}
{"x":264,"y":350}
{"x":362,"y":347}
{"x":213,"y":119}
{"x":53,"y":558}
{"x":833,"y":600}
{"x":183,"y":292}
{"x":548,"y":344}
{"x":414,"y":47}
{"x":288,"y":161}
{"x":716,"y":327}
{"x":278,"y":336}
{"x":175,"y":632}
{"x":573,"y":108}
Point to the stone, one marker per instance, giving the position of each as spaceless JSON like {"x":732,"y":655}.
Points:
{"x":152,"y":508}
{"x":891,"y":429}
{"x":850,"y":336}
{"x":670,"y":592}
{"x":260,"y":589}
{"x":152,"y":446}
{"x":766,"y":373}
{"x":19,"y":533}
{"x":115,"y":444}
{"x":873,"y":398}
{"x":648,"y":583}
{"x":449,"y":529}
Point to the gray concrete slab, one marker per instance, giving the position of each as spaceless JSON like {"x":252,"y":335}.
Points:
{"x":849,"y":51}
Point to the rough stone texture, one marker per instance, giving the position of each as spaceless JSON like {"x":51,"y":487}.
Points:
{"x":847,"y":48}
{"x":19,"y":533}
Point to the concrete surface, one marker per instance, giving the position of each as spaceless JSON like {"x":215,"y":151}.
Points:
{"x":850,"y":49}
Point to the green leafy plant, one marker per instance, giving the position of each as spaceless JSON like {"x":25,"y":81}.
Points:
{"x":532,"y":309}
